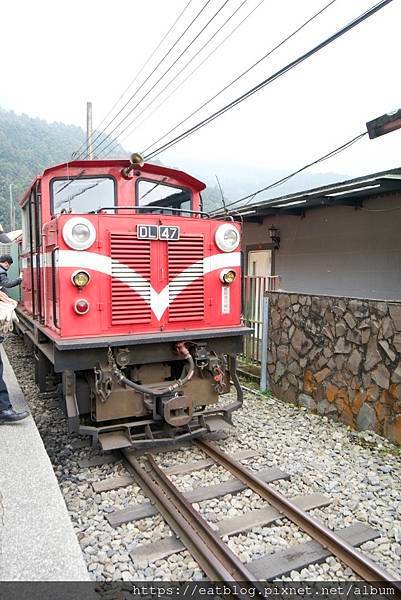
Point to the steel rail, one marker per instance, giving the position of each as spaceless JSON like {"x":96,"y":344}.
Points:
{"x":352,"y":557}
{"x":213,"y":555}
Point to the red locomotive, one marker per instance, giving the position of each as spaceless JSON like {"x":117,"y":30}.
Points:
{"x":131,"y":298}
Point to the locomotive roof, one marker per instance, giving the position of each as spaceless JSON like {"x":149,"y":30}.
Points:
{"x":147,"y":168}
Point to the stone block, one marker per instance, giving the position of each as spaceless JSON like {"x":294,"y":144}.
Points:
{"x":346,"y":416}
{"x":341,"y":329}
{"x":327,"y":352}
{"x":366,"y":379}
{"x":382,"y":411}
{"x":372,"y":355}
{"x":279,"y":372}
{"x":358,"y":308}
{"x":293,"y":298}
{"x":275,"y":318}
{"x":395,"y":391}
{"x":328,"y":316}
{"x":387,"y":328}
{"x":392,"y":429}
{"x":282,"y":353}
{"x":365,"y":336}
{"x":342,"y":347}
{"x":296,"y":307}
{"x":291,"y":331}
{"x":322,"y":375}
{"x":286,"y":324}
{"x":381,"y":376}
{"x":307,"y":401}
{"x":302,"y":300}
{"x":354,"y":336}
{"x":309,"y":384}
{"x":380,"y":308}
{"x":326,"y":330}
{"x":349,"y":319}
{"x":366,"y":418}
{"x":325,"y":408}
{"x":396,"y":374}
{"x":386,"y":347}
{"x":395,"y":314}
{"x":283,"y":301}
{"x":341,"y":400}
{"x":358,"y":401}
{"x":294,"y":368}
{"x":300,"y":342}
{"x":372,"y":392}
{"x":292,"y":379}
{"x":285,"y":384}
{"x":365,"y":324}
{"x":331,"y":392}
{"x":284,"y":339}
{"x":397,"y":342}
{"x":322,"y":362}
{"x":354,"y":361}
{"x":340,"y":361}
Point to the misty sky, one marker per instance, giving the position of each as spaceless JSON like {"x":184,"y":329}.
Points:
{"x":56,"y":56}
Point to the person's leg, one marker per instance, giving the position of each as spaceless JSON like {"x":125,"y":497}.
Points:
{"x":7,"y":413}
{"x":5,"y":403}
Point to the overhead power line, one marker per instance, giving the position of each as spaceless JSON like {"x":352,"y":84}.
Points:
{"x":269,"y":79}
{"x":151,"y":55}
{"x":164,"y":57}
{"x":163,"y":75}
{"x":330,"y":154}
{"x":114,"y":143}
{"x":255,"y":64}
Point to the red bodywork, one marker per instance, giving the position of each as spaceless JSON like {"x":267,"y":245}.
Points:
{"x":136,"y":286}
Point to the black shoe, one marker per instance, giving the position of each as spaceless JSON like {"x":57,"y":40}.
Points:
{"x":10,"y":415}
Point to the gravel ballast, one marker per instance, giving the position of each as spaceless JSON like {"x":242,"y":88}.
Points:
{"x":359,"y":471}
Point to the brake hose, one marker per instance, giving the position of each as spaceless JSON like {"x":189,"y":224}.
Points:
{"x":159,"y":392}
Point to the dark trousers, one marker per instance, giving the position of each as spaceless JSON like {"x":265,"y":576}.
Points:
{"x":4,"y":397}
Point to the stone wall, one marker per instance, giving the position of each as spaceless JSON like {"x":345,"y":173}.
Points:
{"x":340,"y":357}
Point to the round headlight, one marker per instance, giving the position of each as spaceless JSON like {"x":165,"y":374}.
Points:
{"x":80,"y":278}
{"x":79,"y":233}
{"x":227,"y":237}
{"x":227,"y":276}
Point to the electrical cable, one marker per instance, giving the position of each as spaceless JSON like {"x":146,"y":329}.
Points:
{"x":330,"y":154}
{"x":138,"y":72}
{"x":161,"y":77}
{"x":190,"y":74}
{"x":270,"y":79}
{"x":114,"y":143}
{"x":255,"y":64}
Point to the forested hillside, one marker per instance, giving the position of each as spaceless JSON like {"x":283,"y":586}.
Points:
{"x":27,"y":146}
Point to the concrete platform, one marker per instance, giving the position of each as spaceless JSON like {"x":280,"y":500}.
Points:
{"x":37,"y":540}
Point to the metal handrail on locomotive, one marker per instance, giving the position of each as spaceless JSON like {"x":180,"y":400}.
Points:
{"x":131,"y":297}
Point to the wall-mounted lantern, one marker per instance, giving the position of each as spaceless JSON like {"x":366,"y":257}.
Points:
{"x":274,"y":235}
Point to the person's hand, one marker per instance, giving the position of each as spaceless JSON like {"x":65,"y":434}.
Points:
{"x":20,"y":275}
{"x":1,"y":228}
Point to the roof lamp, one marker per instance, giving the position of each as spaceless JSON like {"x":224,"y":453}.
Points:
{"x":384,"y":124}
{"x":274,"y":235}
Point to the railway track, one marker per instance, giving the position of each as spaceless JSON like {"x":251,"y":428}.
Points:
{"x":206,"y":546}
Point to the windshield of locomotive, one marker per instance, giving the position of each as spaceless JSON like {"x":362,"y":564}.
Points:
{"x":161,"y":198}
{"x":83,"y":195}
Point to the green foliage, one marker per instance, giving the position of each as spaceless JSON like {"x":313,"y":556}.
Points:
{"x":27,"y":147}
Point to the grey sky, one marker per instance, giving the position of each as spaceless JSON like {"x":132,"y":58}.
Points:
{"x":58,"y":55}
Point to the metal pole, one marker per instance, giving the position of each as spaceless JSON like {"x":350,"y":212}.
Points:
{"x":264,"y":378}
{"x":11,"y":207}
{"x":89,"y":132}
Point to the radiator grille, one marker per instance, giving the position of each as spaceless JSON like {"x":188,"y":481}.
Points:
{"x":130,"y":262}
{"x":186,"y":299}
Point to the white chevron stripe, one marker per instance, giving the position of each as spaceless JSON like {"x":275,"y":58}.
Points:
{"x":159,"y":301}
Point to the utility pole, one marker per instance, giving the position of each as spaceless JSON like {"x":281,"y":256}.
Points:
{"x":89,"y":132}
{"x":12,"y":226}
